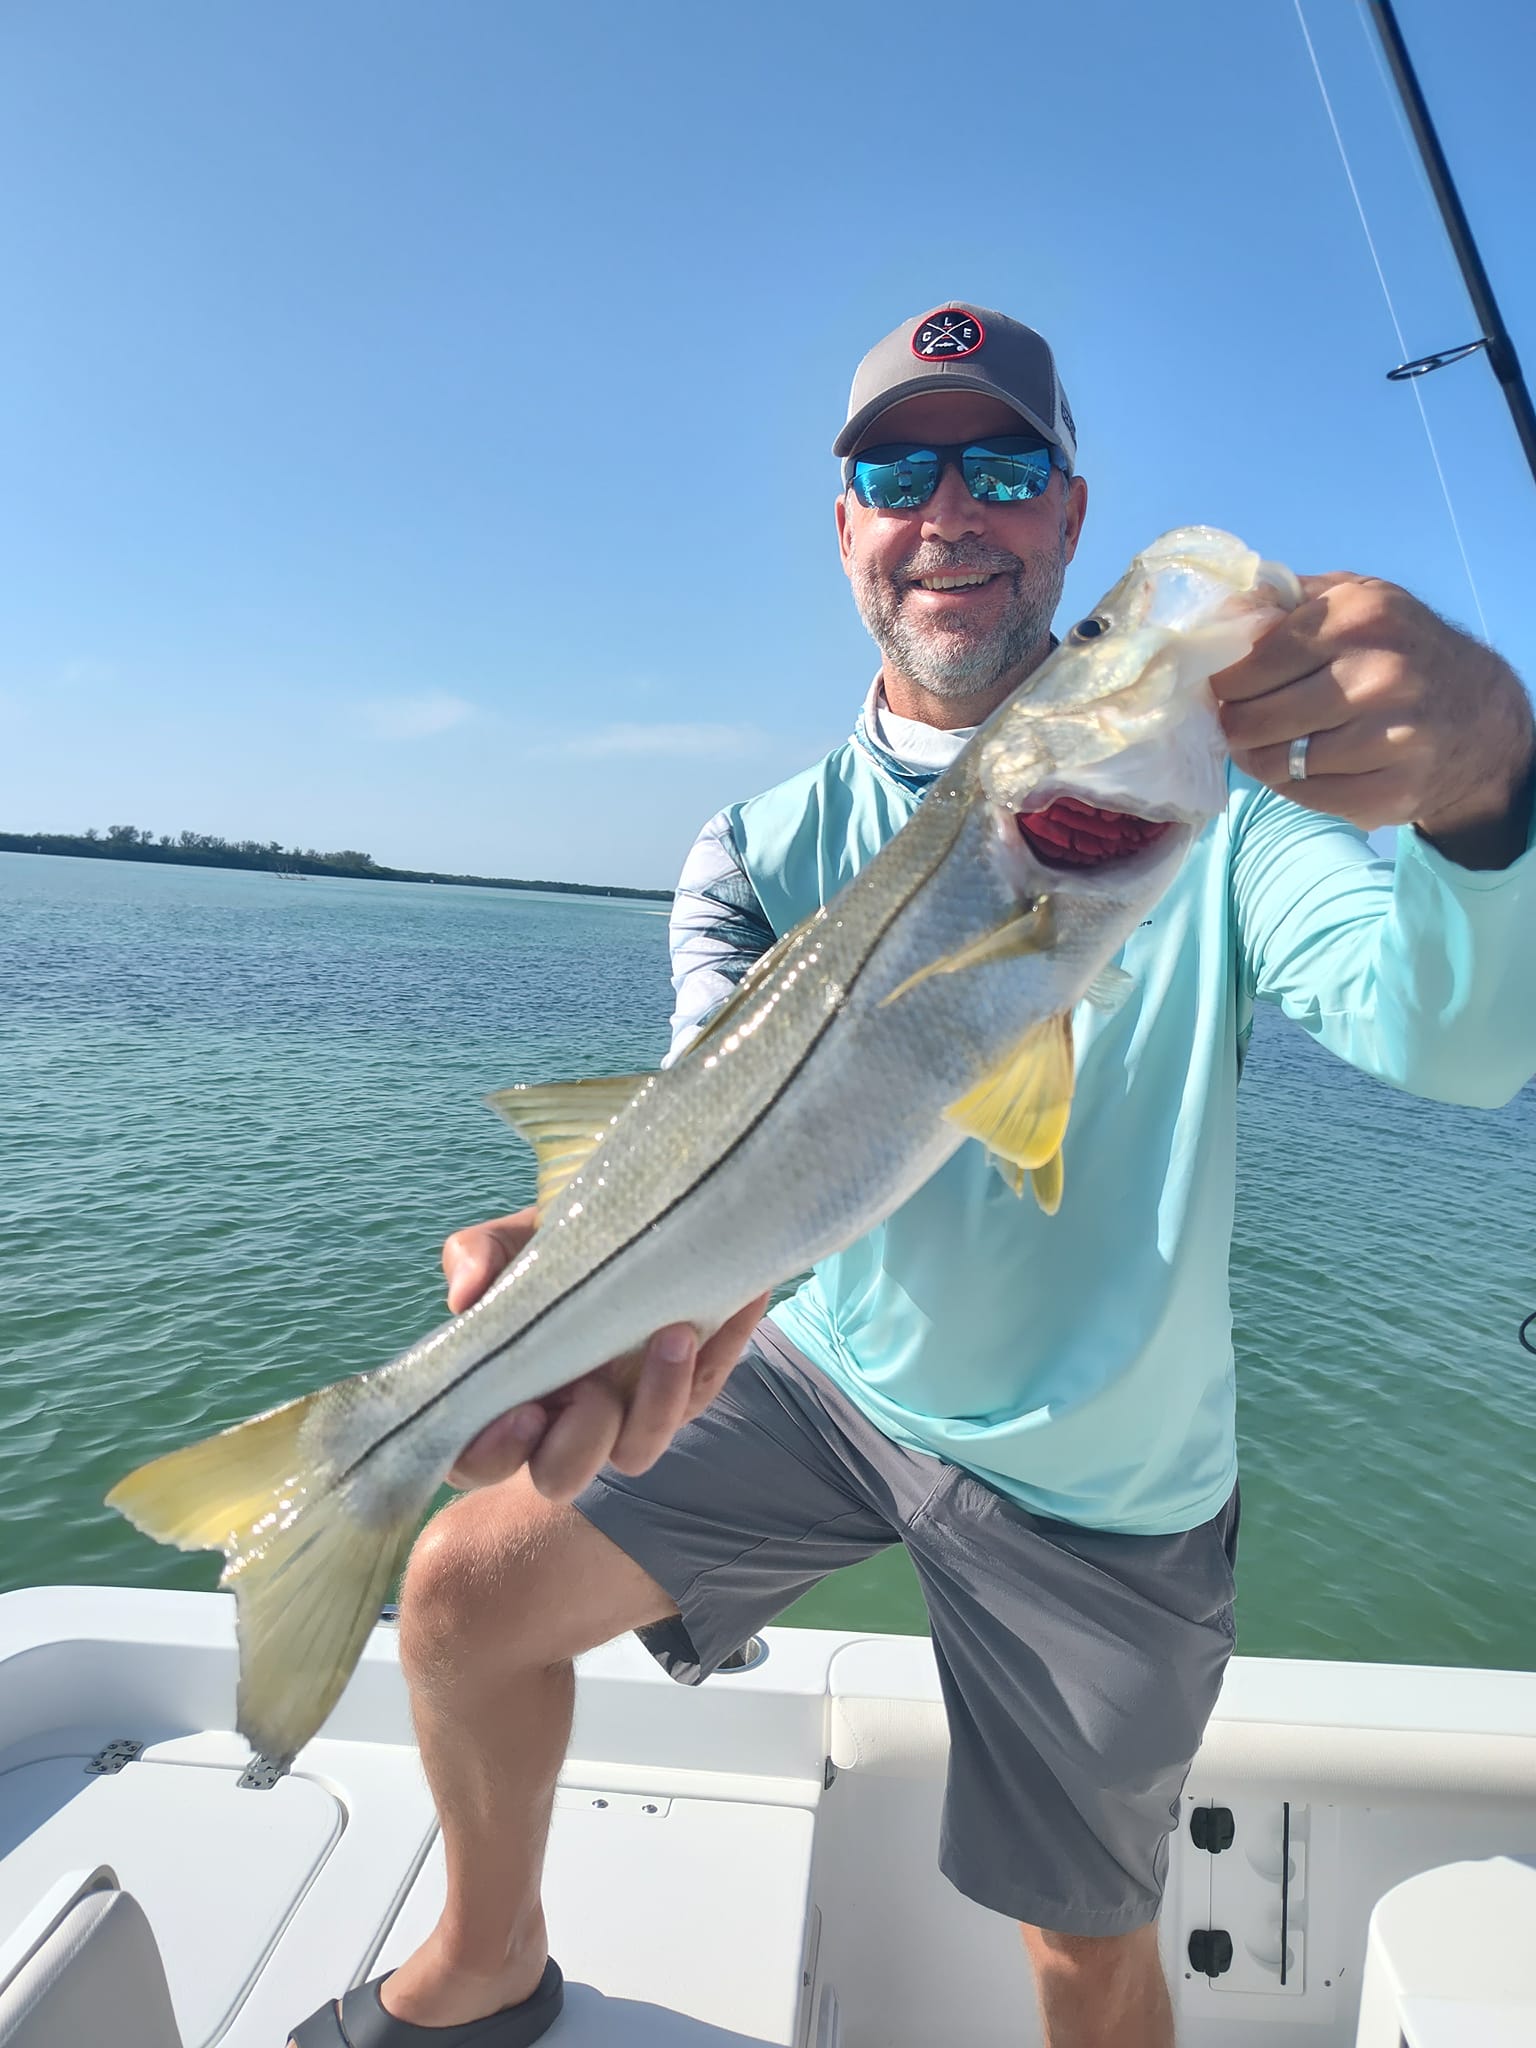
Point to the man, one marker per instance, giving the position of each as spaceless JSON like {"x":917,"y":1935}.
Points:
{"x":1041,"y":1408}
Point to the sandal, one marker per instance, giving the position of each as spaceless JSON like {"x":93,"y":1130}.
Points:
{"x":360,"y":2021}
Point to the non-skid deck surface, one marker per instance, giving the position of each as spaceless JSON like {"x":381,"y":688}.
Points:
{"x":679,"y":1923}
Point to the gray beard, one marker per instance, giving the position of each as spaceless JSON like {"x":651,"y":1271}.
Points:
{"x":953,"y":658}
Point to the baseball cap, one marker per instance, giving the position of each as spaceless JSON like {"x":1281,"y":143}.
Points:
{"x":960,"y":347}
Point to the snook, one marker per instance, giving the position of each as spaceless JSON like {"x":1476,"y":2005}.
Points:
{"x":929,"y":1002}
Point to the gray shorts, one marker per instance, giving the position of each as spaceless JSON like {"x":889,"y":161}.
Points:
{"x":1078,"y":1667}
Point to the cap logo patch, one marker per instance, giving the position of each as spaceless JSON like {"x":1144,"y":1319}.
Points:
{"x":947,"y":334}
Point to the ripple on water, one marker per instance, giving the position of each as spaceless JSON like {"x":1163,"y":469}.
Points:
{"x":239,"y":1118}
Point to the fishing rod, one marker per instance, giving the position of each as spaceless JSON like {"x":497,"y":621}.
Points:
{"x":1495,"y":335}
{"x":1494,"y":338}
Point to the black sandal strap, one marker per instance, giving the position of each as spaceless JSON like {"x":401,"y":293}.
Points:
{"x":321,"y":2030}
{"x":363,"y":2021}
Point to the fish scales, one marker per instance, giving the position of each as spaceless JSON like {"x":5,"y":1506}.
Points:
{"x":652,"y":1193}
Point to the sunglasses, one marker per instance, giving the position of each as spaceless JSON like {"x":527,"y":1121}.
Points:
{"x":1005,"y":469}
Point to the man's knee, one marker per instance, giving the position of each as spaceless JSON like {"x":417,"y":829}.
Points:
{"x":503,"y":1581}
{"x":1096,"y":1956}
{"x":476,"y":1583}
{"x":1101,"y":1990}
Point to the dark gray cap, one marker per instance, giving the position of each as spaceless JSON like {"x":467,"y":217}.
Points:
{"x":960,"y":347}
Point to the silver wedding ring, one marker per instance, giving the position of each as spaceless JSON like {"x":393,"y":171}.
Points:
{"x":1296,"y":759}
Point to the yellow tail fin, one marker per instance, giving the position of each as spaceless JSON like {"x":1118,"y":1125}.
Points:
{"x":307,"y":1570}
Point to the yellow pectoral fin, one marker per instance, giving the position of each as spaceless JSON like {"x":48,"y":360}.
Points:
{"x":1020,"y":1109}
{"x":565,"y":1121}
{"x":1031,"y":931}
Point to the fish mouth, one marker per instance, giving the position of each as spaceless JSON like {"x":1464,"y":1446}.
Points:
{"x":1069,"y":833}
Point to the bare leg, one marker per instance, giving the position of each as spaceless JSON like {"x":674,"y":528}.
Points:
{"x":1101,"y":1990}
{"x":502,"y":1591}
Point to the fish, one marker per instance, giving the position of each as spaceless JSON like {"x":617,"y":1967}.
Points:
{"x":927,"y":1004}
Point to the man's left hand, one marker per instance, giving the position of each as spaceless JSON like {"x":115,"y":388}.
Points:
{"x":1408,"y":720}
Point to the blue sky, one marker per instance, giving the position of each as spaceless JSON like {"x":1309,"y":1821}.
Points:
{"x":326,"y":326}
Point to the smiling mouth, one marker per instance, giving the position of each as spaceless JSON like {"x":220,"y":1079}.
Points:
{"x":966,"y":580}
{"x":957,"y":580}
{"x":1070,"y":834}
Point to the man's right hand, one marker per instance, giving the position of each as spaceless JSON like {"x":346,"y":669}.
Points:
{"x":624,"y":1413}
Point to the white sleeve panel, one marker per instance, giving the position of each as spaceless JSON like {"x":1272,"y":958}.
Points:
{"x":718,"y":929}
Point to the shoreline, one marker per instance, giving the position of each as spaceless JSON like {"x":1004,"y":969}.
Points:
{"x":71,"y":846}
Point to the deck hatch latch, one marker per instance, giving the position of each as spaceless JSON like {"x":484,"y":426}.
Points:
{"x":260,"y":1775}
{"x":1212,"y":1828}
{"x":106,"y":1763}
{"x":1210,"y":1951}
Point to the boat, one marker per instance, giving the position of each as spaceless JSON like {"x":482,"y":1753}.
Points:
{"x":749,"y":1862}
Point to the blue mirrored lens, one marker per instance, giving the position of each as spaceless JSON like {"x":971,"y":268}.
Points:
{"x":895,"y":480}
{"x":899,"y":477}
{"x":1000,"y":475}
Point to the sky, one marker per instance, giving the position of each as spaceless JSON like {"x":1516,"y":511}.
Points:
{"x":417,"y":418}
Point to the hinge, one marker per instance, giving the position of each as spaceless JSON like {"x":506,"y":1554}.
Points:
{"x":260,"y":1775}
{"x":1210,"y":1951}
{"x":1212,"y":1828}
{"x":109,"y":1761}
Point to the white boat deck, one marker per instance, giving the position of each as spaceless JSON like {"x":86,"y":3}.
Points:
{"x":754,"y":1861}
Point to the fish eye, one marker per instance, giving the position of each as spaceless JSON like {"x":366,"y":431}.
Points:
{"x":1089,"y":629}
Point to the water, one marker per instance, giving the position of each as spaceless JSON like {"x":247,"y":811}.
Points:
{"x":239,"y":1114}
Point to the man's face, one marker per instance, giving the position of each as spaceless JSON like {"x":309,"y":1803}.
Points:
{"x":959,"y":644}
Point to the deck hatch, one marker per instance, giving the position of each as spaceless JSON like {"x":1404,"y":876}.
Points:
{"x":217,"y":1873}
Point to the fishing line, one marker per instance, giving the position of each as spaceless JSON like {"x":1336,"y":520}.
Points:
{"x":1381,"y":278}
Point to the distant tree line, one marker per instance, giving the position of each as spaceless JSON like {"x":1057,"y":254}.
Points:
{"x":208,"y":850}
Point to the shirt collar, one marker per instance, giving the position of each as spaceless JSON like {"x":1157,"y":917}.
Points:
{"x":905,"y":749}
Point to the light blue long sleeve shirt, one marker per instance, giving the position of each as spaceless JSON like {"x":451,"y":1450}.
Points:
{"x":1082,"y":1364}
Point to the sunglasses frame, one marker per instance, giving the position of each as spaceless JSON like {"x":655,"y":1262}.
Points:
{"x":951,"y":455}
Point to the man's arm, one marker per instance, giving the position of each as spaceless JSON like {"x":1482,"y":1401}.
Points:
{"x":1422,"y":973}
{"x":718,"y":928}
{"x":1416,"y":971}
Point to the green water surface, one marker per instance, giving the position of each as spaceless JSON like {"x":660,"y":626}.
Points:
{"x":239,"y":1114}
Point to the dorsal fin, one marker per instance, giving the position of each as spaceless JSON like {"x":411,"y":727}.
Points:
{"x":1020,"y":1110}
{"x":565,"y":1121}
